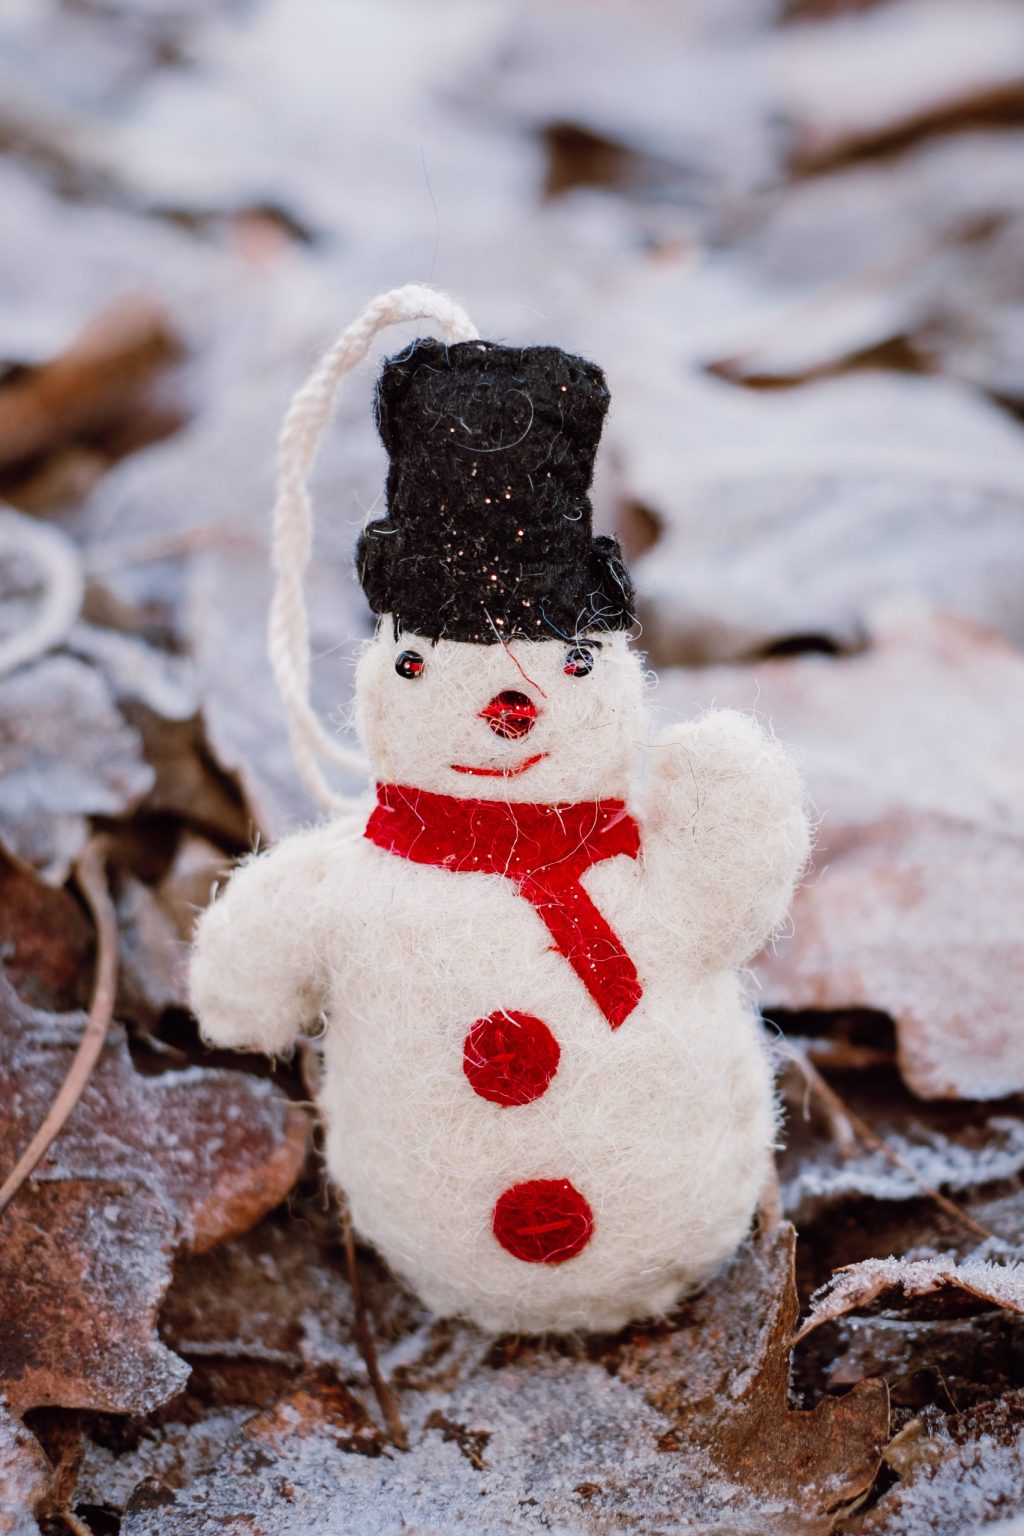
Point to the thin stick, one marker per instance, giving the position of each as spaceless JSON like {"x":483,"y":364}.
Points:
{"x":839,"y":1111}
{"x":769,"y":1207}
{"x":90,"y":872}
{"x":75,"y":1524}
{"x":364,"y":1338}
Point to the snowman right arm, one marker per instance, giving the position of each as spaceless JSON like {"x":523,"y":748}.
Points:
{"x":259,"y":974}
{"x":725,"y":839}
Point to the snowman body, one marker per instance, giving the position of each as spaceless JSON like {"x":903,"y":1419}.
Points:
{"x":545,"y":1092}
{"x":465,"y":1057}
{"x":663,"y":1125}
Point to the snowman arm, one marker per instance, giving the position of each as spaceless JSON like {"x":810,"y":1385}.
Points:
{"x":726,"y":836}
{"x":258,"y":975}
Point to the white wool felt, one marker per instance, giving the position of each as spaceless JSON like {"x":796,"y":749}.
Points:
{"x":665,"y":1124}
{"x":416,"y":730}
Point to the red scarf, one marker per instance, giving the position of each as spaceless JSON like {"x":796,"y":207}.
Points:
{"x":543,"y":850}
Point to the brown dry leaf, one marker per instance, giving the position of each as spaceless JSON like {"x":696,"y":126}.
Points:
{"x":858,"y":1286}
{"x":45,"y":937}
{"x":727,"y":1384}
{"x":65,"y":754}
{"x":84,"y":1266}
{"x":91,"y":388}
{"x":913,"y":753}
{"x":143,"y":1167}
{"x":941,"y":64}
{"x":662,"y":1428}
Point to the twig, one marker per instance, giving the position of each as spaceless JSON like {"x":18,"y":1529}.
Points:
{"x":840,"y":1123}
{"x":90,"y":872}
{"x":75,"y":1524}
{"x":840,"y":1112}
{"x":769,"y":1207}
{"x":364,"y":1338}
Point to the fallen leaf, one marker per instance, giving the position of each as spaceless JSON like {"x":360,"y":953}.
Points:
{"x":143,"y":1167}
{"x":85,"y":1264}
{"x":66,"y":754}
{"x":25,"y":1478}
{"x":45,"y":937}
{"x":858,"y":1286}
{"x":912,"y":751}
{"x":958,"y":1474}
{"x":664,"y":1427}
{"x":91,"y":387}
{"x":940,"y":65}
{"x":154,"y":957}
{"x":851,"y":1201}
{"x":733,"y":1399}
{"x":859,"y":490}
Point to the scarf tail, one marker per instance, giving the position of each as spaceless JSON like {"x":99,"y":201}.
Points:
{"x":587,"y":940}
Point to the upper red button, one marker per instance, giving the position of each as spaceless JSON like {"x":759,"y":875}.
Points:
{"x":510,"y":1057}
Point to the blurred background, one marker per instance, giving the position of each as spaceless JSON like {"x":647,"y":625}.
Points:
{"x":792,"y":233}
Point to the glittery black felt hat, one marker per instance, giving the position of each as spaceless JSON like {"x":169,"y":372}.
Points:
{"x":488,"y":532}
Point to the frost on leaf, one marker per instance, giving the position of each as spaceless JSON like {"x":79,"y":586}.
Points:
{"x":685,"y":1426}
{"x":25,"y":1478}
{"x":919,"y":864}
{"x":958,"y":1476}
{"x":955,"y":1287}
{"x":67,"y":754}
{"x":145,"y":1166}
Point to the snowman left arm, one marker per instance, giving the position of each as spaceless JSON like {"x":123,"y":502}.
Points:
{"x":725,"y":838}
{"x":259,"y":972}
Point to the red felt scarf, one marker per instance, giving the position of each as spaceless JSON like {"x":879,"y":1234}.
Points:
{"x":543,"y":850}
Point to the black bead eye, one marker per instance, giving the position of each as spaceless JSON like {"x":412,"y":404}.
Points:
{"x":409,"y":664}
{"x":578,"y":662}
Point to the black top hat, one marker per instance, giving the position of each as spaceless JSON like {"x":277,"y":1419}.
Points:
{"x":488,"y":533}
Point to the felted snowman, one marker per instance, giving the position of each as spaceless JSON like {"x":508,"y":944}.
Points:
{"x":546,"y":1094}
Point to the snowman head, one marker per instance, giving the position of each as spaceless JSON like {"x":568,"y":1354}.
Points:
{"x":501,"y":667}
{"x":528,"y":720}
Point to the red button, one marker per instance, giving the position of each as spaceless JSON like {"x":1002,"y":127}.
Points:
{"x":510,"y":1058}
{"x":544,"y":1221}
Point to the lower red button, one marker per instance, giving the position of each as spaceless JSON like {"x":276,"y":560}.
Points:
{"x":543,"y":1221}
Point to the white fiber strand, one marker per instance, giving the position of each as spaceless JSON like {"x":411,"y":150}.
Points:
{"x":303,"y":428}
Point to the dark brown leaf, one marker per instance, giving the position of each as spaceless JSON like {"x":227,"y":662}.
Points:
{"x":143,"y":1167}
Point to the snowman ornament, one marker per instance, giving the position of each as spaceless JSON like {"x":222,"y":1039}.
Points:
{"x":546,"y":1094}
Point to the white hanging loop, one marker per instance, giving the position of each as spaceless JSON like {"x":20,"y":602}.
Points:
{"x":307,"y":416}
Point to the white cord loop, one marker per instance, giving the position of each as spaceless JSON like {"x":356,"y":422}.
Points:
{"x":304,"y":424}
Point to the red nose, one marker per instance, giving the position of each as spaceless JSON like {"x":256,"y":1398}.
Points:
{"x":510,"y":715}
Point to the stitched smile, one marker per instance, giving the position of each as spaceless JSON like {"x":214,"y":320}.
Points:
{"x":501,"y":773}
